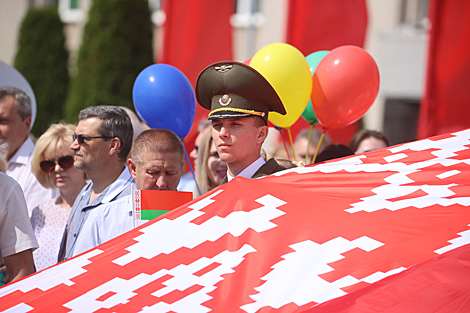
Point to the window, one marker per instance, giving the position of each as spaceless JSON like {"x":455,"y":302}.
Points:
{"x":70,"y":11}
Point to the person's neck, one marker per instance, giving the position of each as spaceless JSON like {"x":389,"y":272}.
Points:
{"x":67,"y":197}
{"x":235,"y":168}
{"x":12,"y":153}
{"x":102,"y":179}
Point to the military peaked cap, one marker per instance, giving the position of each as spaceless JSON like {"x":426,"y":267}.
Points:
{"x":233,"y":90}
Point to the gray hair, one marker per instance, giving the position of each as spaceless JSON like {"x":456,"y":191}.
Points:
{"x":21,"y":97}
{"x":115,"y":123}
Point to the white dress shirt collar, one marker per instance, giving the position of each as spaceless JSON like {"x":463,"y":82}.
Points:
{"x":22,"y":155}
{"x":250,"y":170}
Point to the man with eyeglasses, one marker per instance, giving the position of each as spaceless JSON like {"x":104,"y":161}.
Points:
{"x":101,"y":144}
{"x":15,"y":123}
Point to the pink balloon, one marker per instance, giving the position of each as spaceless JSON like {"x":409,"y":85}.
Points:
{"x":345,"y":85}
{"x":247,"y":61}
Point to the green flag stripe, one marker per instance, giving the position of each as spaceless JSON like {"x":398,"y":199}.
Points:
{"x":151,"y":214}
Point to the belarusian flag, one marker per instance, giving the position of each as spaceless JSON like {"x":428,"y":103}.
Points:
{"x":148,"y":204}
{"x":287,"y":243}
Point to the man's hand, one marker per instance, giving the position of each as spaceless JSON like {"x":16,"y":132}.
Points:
{"x":19,"y":265}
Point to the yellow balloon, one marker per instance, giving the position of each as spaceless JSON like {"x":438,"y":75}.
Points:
{"x":288,"y":72}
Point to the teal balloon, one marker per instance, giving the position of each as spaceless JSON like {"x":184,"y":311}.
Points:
{"x":313,"y":59}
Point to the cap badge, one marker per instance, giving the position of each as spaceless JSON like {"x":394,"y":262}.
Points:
{"x":225,"y":100}
{"x":224,"y":68}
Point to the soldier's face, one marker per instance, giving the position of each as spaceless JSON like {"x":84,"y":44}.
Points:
{"x":236,"y":139}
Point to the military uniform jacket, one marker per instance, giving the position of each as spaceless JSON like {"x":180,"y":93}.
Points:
{"x":268,"y":168}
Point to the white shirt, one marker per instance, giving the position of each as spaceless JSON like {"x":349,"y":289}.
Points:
{"x":16,"y":233}
{"x":104,"y":218}
{"x":250,"y":170}
{"x":107,"y":222}
{"x":186,"y":183}
{"x":19,"y":168}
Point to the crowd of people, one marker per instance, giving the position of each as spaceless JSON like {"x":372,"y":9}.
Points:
{"x":72,"y":190}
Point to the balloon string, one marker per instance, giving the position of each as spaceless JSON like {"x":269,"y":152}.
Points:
{"x":308,"y":143}
{"x":283,"y":141}
{"x":318,"y":146}
{"x":291,"y":143}
{"x":191,"y":168}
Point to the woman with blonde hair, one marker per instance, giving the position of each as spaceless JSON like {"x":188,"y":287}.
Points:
{"x":210,"y":169}
{"x":52,"y":164}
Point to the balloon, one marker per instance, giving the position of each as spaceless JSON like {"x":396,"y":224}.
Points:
{"x":10,"y":76}
{"x":288,"y":72}
{"x":164,"y":98}
{"x":345,"y":85}
{"x":247,"y":61}
{"x":312,"y":59}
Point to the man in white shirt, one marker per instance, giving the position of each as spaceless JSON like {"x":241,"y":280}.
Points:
{"x":15,"y":122}
{"x":239,"y":99}
{"x":101,"y":144}
{"x":17,"y":240}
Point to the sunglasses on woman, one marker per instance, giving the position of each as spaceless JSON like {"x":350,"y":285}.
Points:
{"x":65,"y":162}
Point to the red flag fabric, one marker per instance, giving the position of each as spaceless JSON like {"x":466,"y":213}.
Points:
{"x":197,"y":33}
{"x":315,"y":25}
{"x":148,"y":204}
{"x":283,"y":243}
{"x":448,"y":75}
{"x":438,"y":285}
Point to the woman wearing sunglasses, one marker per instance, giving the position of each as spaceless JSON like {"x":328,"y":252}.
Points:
{"x":52,"y":164}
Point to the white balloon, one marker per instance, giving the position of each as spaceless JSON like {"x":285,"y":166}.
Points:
{"x":9,"y":76}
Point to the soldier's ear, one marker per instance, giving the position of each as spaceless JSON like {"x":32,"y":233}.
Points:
{"x":262,"y":134}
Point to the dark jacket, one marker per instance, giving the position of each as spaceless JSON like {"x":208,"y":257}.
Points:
{"x":270,"y":167}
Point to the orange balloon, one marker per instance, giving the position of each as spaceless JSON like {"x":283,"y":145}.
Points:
{"x":345,"y":85}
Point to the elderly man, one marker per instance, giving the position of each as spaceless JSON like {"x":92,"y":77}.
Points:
{"x":15,"y":122}
{"x":101,"y":143}
{"x":239,"y":99}
{"x":157,"y":160}
{"x":17,"y":240}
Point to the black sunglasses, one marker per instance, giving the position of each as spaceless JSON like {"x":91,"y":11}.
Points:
{"x":65,"y":162}
{"x":81,"y":139}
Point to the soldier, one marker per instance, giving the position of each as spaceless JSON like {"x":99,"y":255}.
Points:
{"x":239,"y":99}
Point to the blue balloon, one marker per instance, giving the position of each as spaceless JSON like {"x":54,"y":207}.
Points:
{"x":164,"y":98}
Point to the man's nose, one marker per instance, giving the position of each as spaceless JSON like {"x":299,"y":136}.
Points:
{"x":161,"y":182}
{"x":75,"y":145}
{"x":224,"y":131}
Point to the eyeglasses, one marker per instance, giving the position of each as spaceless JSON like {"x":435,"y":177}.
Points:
{"x":65,"y":162}
{"x":81,"y":139}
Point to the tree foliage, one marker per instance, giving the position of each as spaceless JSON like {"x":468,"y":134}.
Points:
{"x":42,"y":58}
{"x":117,"y":45}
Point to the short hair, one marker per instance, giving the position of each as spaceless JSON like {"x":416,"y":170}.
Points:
{"x":260,"y":122}
{"x":115,"y":123}
{"x":157,"y":141}
{"x":57,"y":136}
{"x":363,"y":134}
{"x":333,"y":151}
{"x":21,"y":97}
{"x":136,"y":125}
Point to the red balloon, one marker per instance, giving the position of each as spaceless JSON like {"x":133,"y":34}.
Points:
{"x":247,"y":61}
{"x":345,"y":85}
